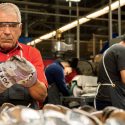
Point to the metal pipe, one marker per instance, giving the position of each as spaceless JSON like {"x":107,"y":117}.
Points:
{"x":57,"y":17}
{"x":70,"y":11}
{"x":62,"y":15}
{"x":44,"y":13}
{"x":98,"y":35}
{"x":78,"y":32}
{"x":26,"y":23}
{"x":70,"y":14}
{"x":93,"y":43}
{"x":119,"y":19}
{"x":48,"y":5}
{"x":100,"y":45}
{"x":110,"y":21}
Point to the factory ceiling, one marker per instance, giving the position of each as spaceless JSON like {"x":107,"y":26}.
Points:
{"x":42,"y":16}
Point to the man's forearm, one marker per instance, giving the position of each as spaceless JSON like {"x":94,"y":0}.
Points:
{"x":38,"y":91}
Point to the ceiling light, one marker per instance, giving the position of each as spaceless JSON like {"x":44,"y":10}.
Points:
{"x":69,"y":26}
{"x":73,"y":0}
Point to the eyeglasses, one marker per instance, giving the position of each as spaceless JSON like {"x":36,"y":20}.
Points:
{"x":10,"y":25}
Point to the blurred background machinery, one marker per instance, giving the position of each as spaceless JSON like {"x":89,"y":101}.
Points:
{"x":61,"y":47}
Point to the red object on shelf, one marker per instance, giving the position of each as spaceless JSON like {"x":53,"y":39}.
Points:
{"x":46,"y":62}
{"x":71,"y":76}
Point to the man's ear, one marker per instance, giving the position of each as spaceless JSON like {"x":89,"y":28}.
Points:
{"x":20,"y":30}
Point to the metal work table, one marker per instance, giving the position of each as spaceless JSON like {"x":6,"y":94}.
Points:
{"x":77,"y":101}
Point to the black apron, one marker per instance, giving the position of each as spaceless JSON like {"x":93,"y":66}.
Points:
{"x":54,"y":95}
{"x":117,"y":95}
{"x":18,"y":95}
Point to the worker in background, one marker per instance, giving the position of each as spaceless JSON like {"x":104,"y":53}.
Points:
{"x":111,"y":77}
{"x":55,"y":74}
{"x":17,"y":86}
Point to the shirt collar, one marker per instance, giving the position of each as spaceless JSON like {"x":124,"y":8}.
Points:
{"x":19,"y":45}
{"x":59,"y":63}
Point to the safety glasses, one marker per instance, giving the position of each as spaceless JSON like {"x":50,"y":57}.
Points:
{"x":10,"y":25}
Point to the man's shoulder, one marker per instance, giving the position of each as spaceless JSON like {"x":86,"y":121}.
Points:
{"x":54,"y":66}
{"x":27,"y":47}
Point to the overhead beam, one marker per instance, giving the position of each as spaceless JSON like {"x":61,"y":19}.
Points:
{"x":49,"y":5}
{"x":73,"y":24}
{"x":60,"y":15}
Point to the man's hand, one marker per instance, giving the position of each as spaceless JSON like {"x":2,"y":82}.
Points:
{"x":17,"y":70}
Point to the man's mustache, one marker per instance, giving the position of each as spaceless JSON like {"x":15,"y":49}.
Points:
{"x":6,"y":39}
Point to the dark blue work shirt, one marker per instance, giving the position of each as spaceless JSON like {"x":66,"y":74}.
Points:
{"x":55,"y":74}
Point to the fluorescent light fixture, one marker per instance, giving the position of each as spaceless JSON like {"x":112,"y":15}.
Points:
{"x":73,"y":24}
{"x":44,"y":37}
{"x":73,"y":0}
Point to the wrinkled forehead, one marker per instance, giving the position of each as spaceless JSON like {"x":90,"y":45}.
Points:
{"x":8,"y":11}
{"x":8,"y":17}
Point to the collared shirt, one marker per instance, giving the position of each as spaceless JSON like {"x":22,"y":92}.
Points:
{"x":31,"y":54}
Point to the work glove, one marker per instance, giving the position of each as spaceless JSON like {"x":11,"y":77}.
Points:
{"x":17,"y":70}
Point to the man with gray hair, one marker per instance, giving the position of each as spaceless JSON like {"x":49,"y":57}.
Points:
{"x":22,"y":78}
